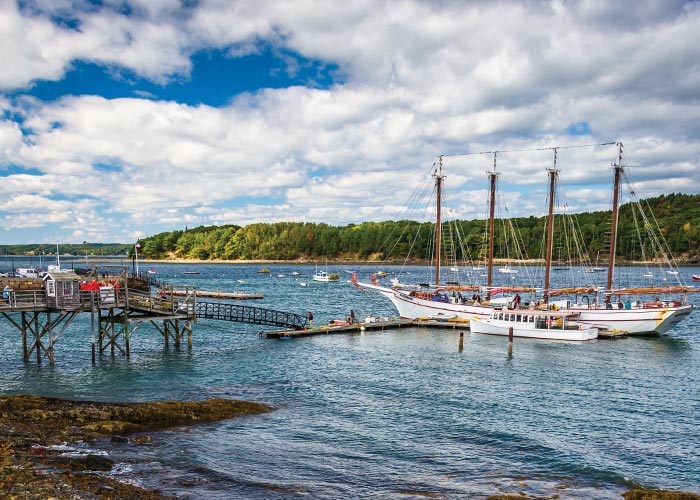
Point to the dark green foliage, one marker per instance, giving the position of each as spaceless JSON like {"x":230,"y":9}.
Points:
{"x":79,"y":249}
{"x":678,"y":215}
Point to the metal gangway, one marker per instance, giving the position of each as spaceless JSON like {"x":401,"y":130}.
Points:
{"x":249,"y":314}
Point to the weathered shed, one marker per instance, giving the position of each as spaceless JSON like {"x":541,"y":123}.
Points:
{"x":62,"y":289}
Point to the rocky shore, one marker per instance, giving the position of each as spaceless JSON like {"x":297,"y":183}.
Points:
{"x":33,"y":466}
{"x":32,"y":426}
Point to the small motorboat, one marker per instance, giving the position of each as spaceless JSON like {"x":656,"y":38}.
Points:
{"x":695,"y":277}
{"x":507,"y":270}
{"x":151,"y":271}
{"x":326,"y":277}
{"x":534,"y":324}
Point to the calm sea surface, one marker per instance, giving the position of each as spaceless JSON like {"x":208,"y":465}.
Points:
{"x":392,"y":415}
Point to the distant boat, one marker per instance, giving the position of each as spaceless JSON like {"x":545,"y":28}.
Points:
{"x":190,"y":272}
{"x":671,"y":272}
{"x":264,"y":270}
{"x":695,"y":277}
{"x":151,"y":271}
{"x":281,"y":275}
{"x":326,"y":277}
{"x":303,"y":284}
{"x":507,"y":270}
{"x":295,"y":273}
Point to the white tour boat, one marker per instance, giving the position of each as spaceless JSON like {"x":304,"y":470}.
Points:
{"x":534,"y":324}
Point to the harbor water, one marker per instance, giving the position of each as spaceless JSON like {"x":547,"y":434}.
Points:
{"x":395,"y":414}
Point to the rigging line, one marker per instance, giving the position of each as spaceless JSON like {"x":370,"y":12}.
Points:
{"x":528,"y":150}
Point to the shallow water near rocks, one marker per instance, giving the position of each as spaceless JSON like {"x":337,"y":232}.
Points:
{"x":395,"y":414}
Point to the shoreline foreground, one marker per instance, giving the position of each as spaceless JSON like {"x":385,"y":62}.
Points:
{"x":31,"y":426}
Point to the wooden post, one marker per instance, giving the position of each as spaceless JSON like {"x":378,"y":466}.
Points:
{"x":177,"y":334}
{"x":461,"y":340}
{"x":189,"y":336}
{"x":37,"y":334}
{"x":127,"y":327}
{"x":510,"y":341}
{"x":92,"y":323}
{"x":50,"y":335}
{"x":25,"y":353}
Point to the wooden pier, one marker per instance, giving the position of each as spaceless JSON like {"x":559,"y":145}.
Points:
{"x":224,"y":295}
{"x":391,"y":324}
{"x":118,"y":304}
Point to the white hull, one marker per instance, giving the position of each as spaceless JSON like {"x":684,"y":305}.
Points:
{"x":497,"y":327}
{"x":636,"y":321}
{"x":325,"y":277}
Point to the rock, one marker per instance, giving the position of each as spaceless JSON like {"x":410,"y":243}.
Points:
{"x":119,"y":440}
{"x":642,"y":494}
{"x":87,"y":462}
{"x":142,"y":439}
{"x":98,"y":462}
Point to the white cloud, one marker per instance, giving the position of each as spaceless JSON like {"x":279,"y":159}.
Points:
{"x":421,"y":79}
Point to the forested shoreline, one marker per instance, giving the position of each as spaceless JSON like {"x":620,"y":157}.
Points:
{"x":678,"y":216}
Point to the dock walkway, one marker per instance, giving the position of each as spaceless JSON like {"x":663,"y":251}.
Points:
{"x":391,"y":324}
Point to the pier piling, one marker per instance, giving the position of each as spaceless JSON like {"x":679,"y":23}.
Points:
{"x":510,"y":341}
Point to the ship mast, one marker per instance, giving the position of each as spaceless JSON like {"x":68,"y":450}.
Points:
{"x":613,"y":230}
{"x":492,"y":209}
{"x":553,"y":172}
{"x":438,"y":220}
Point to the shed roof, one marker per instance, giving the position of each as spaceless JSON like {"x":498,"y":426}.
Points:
{"x":67,"y":275}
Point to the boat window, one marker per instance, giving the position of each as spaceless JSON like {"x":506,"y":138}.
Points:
{"x":518,"y":318}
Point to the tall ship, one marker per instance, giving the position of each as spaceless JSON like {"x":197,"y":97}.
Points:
{"x":607,"y":308}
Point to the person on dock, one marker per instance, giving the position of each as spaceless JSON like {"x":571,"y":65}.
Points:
{"x":6,"y":293}
{"x":310,"y":317}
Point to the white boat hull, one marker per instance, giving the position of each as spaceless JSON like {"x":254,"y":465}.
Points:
{"x":497,"y":327}
{"x":635,"y":321}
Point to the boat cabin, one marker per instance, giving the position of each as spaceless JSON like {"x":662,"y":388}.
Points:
{"x":538,"y":319}
{"x":62,"y":289}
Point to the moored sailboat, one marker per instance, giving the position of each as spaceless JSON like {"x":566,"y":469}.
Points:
{"x":594,"y":306}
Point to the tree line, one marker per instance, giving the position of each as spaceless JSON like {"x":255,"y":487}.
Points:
{"x":677,"y":215}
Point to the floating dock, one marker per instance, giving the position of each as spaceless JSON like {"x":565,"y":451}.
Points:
{"x":223,"y":295}
{"x":392,"y":324}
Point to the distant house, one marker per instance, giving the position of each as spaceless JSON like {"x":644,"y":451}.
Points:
{"x":62,"y":289}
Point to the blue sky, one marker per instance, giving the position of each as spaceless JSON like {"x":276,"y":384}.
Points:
{"x":120,"y":119}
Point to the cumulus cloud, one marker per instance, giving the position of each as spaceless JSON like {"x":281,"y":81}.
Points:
{"x":420,"y":79}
